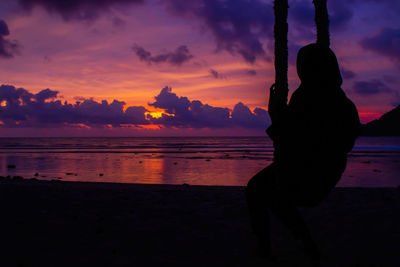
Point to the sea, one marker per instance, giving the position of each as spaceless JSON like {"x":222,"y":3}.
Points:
{"x":231,"y":161}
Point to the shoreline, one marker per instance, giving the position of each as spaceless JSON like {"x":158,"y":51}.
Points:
{"x":60,"y":223}
{"x":19,"y":179}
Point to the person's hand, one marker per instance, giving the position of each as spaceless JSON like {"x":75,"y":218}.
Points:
{"x":276,"y":105}
{"x":273,"y":102}
{"x":272,"y":89}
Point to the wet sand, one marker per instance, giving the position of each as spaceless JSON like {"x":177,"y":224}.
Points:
{"x":53,"y":223}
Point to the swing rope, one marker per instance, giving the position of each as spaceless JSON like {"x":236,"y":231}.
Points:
{"x":322,"y":22}
{"x":279,"y":93}
{"x":279,"y":99}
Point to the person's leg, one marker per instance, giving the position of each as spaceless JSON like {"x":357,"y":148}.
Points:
{"x":257,"y":195}
{"x":286,"y":211}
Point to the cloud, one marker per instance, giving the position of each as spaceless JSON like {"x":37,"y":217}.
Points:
{"x":395,"y":101}
{"x":340,"y":14}
{"x":175,"y":58}
{"x":370,"y":87}
{"x":194,"y":114}
{"x":7,"y":48}
{"x":242,"y":116}
{"x":303,"y":12}
{"x":20,"y":108}
{"x":4,"y":31}
{"x":76,"y":9}
{"x":386,"y":42}
{"x":118,"y":22}
{"x":45,"y":94}
{"x":216,"y":74}
{"x":375,"y":87}
{"x":245,"y":27}
{"x":390,"y":79}
{"x":251,"y":72}
{"x":302,"y":28}
{"x":347,"y":74}
{"x":238,"y":27}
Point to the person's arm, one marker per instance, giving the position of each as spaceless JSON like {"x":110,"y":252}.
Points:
{"x":276,"y":106}
{"x":278,"y":112}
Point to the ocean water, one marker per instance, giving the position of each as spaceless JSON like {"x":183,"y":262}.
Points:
{"x":374,"y":161}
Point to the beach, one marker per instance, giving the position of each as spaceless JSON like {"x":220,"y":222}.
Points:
{"x":54,"y":223}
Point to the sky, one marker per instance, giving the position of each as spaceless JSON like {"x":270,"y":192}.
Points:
{"x":176,"y":67}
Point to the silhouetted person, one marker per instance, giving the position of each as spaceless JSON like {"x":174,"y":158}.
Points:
{"x":312,"y":136}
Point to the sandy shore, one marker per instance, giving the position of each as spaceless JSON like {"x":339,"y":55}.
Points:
{"x":46,"y":223}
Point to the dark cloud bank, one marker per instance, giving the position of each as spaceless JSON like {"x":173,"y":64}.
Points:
{"x":245,"y":27}
{"x":20,"y":108}
{"x":240,"y":27}
{"x":195,"y":114}
{"x":237,"y":26}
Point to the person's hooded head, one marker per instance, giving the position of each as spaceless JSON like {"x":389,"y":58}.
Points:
{"x":317,"y":66}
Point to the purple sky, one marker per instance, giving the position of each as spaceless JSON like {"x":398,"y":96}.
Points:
{"x":106,"y":67}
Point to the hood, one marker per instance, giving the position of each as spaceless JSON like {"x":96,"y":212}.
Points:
{"x":317,"y":65}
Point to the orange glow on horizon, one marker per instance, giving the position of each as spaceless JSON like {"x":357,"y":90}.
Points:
{"x":157,"y":114}
{"x":151,"y":127}
{"x":79,"y":125}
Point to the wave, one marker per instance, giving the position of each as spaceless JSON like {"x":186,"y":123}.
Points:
{"x":169,"y":145}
